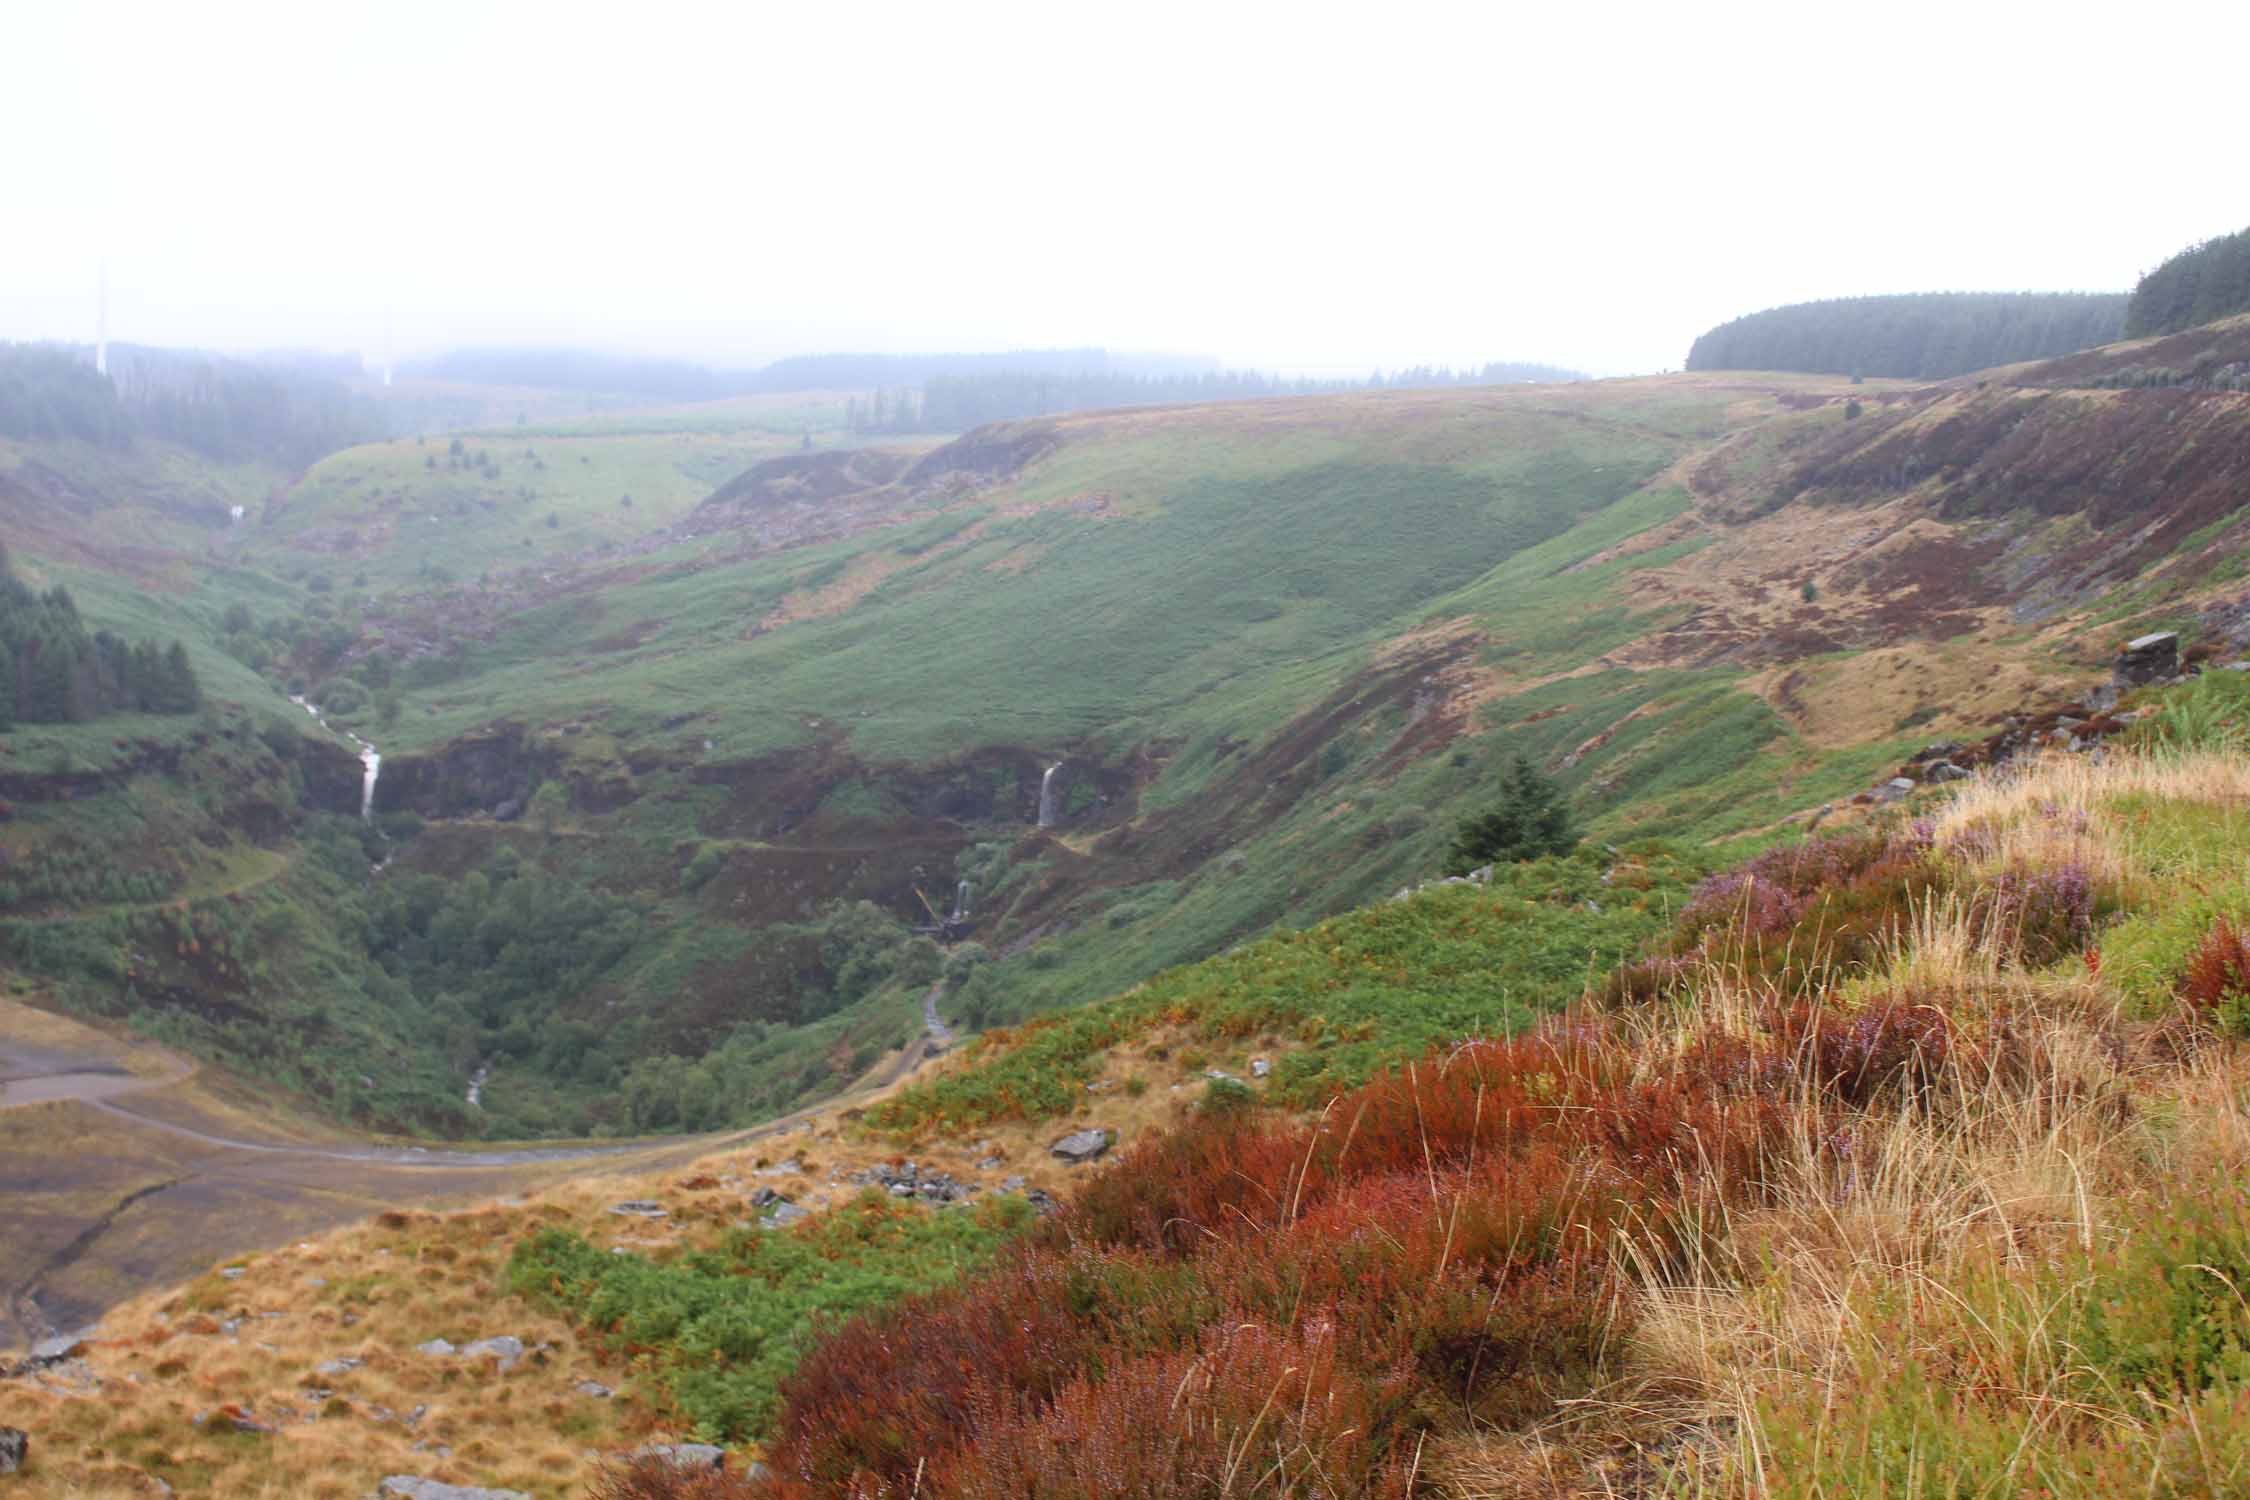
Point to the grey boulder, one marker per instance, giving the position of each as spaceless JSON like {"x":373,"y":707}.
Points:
{"x":685,"y":1455}
{"x":407,"y":1487}
{"x":15,"y":1448}
{"x":507,"y":1349}
{"x":1083,"y":1145}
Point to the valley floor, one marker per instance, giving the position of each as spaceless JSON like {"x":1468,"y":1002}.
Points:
{"x":126,"y":1167}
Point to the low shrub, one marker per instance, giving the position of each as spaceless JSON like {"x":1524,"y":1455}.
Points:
{"x":2216,"y":982}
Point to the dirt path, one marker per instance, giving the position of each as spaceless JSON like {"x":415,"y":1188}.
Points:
{"x":124,"y":1172}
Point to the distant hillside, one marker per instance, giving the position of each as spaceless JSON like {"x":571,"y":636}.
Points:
{"x":2199,"y":285}
{"x":1928,"y":336}
{"x":579,"y":370}
{"x":596,"y":373}
{"x":956,"y":403}
{"x":829,"y":372}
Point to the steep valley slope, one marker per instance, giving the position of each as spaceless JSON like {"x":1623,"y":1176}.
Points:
{"x":663,"y":806}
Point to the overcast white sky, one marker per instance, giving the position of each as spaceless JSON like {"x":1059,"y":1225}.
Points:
{"x":1293,"y":186}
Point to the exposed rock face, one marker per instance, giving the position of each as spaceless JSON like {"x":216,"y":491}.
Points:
{"x":1083,"y":1145}
{"x":477,"y":773}
{"x":15,"y":1449}
{"x":2151,"y":658}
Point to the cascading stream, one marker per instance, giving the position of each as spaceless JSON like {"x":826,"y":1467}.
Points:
{"x":371,"y":763}
{"x":1048,"y":810}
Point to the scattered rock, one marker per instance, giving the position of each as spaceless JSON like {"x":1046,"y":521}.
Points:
{"x":1894,"y":789}
{"x":784,"y":1214}
{"x":232,"y":1273}
{"x":338,"y":1366}
{"x":507,"y":1349}
{"x":1259,"y":1067}
{"x":906,"y":1180}
{"x":990,"y":1164}
{"x":1083,"y":1145}
{"x":595,"y":1389}
{"x":407,"y":1487}
{"x":1013,"y":1184}
{"x":437,"y":1349}
{"x":766,"y":1197}
{"x":640,"y":1208}
{"x":1945,"y":771}
{"x":685,"y":1455}
{"x":15,"y":1449}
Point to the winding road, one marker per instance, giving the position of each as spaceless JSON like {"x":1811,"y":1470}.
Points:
{"x":148,"y":1185}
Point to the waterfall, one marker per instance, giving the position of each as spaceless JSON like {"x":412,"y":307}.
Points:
{"x":371,"y":764}
{"x":374,"y":764}
{"x":1048,"y":811}
{"x":961,"y":901}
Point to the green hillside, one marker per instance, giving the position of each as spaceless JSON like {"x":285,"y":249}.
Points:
{"x":668,"y":786}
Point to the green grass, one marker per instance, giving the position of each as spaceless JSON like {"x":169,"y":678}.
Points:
{"x":1348,"y":995}
{"x":404,"y":514}
{"x":730,"y":1323}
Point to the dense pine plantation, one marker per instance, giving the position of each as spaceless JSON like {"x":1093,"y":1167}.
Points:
{"x":2199,"y":285}
{"x":1932,"y":336}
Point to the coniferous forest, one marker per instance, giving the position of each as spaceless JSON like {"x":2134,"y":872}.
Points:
{"x":55,"y":671}
{"x":1925,"y":336}
{"x":2200,"y":284}
{"x":228,"y":409}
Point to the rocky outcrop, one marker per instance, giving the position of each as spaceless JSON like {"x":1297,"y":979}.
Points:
{"x":476,"y":775}
{"x":2150,"y":658}
{"x":1082,"y":1146}
{"x":15,"y":1449}
{"x":985,"y":455}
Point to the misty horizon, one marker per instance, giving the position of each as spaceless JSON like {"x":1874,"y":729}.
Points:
{"x":1303,"y":195}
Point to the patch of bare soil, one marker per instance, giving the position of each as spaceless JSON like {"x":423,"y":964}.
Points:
{"x":1948,"y":689}
{"x":1878,"y":574}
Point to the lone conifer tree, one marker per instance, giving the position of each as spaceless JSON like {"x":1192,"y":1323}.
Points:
{"x":1529,"y":820}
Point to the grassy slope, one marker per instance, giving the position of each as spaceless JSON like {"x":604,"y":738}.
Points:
{"x":1229,"y":600}
{"x":1717,"y":1325}
{"x":1638,"y":1249}
{"x":406,"y":512}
